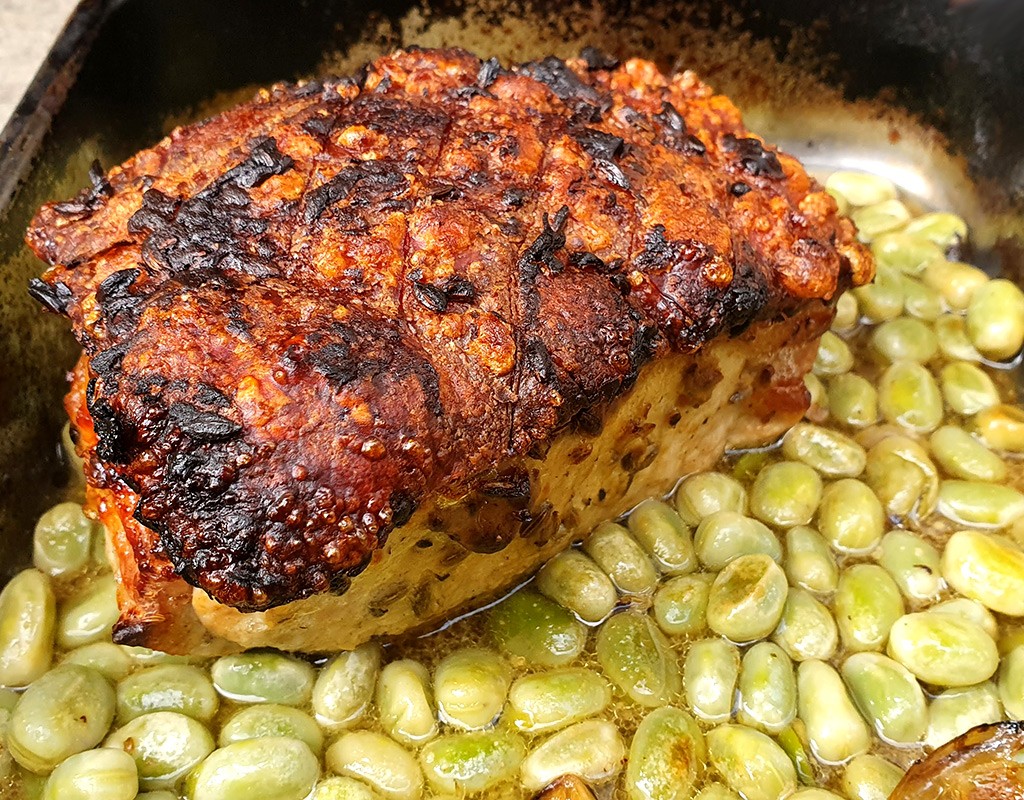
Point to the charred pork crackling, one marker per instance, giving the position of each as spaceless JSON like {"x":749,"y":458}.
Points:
{"x":364,"y":352}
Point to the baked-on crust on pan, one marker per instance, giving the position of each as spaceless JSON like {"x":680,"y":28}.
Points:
{"x":304,"y":318}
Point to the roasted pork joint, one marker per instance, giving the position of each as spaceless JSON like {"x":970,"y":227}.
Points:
{"x":364,"y":352}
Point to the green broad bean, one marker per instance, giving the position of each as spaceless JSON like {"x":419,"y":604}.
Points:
{"x":716,"y":791}
{"x":767,"y":689}
{"x":955,"y":281}
{"x":888,"y":696}
{"x":31,"y":785}
{"x":785,"y":494}
{"x":726,"y":535}
{"x":807,"y":630}
{"x":159,"y":794}
{"x":835,"y":729}
{"x":908,"y":396}
{"x":470,"y":687}
{"x":913,"y":564}
{"x":28,"y":613}
{"x":388,"y":768}
{"x":264,"y":676}
{"x":860,"y":188}
{"x":905,"y":339}
{"x":971,"y":610}
{"x":404,"y":702}
{"x":956,"y":711}
{"x":575,"y":582}
{"x":662,"y":534}
{"x":553,"y":699}
{"x":62,"y":540}
{"x":847,"y":313}
{"x":666,"y":756}
{"x":621,"y":558}
{"x":829,"y":452}
{"x":834,"y":356}
{"x":879,"y":218}
{"x":852,"y":400}
{"x":94,"y":775}
{"x":870,"y":777}
{"x":166,"y":747}
{"x":883,"y":298}
{"x":850,"y":516}
{"x":269,"y":720}
{"x":747,"y":599}
{"x":471,"y":762}
{"x":867,"y":603}
{"x":963,"y":456}
{"x":144,"y":657}
{"x":64,"y":712}
{"x":344,"y":688}
{"x":89,"y":616}
{"x":337,"y":787}
{"x":167,"y":687}
{"x":818,"y":393}
{"x":275,"y":768}
{"x":809,"y":562}
{"x":681,"y":604}
{"x":752,"y":764}
{"x":923,"y":302}
{"x":1011,"y":683}
{"x":966,"y":388}
{"x":703,"y":494}
{"x":942,"y":649}
{"x":979,"y":504}
{"x":593,"y":750}
{"x":527,"y":625}
{"x":814,"y":793}
{"x":902,"y":476}
{"x":995,"y":319}
{"x":638,"y":659}
{"x":905,"y":253}
{"x":1001,"y":427}
{"x":710,"y":672}
{"x":792,"y":743}
{"x":8,"y":700}
{"x":986,"y":568}
{"x":107,"y":658}
{"x":75,"y":464}
{"x":942,"y":228}
{"x":951,"y":333}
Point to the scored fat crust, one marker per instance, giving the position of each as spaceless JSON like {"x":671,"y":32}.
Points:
{"x":304,"y":317}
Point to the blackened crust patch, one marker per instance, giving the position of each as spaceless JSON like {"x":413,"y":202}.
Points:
{"x":212,"y":236}
{"x":203,"y":426}
{"x":377,"y":181}
{"x":753,"y":157}
{"x":55,"y":296}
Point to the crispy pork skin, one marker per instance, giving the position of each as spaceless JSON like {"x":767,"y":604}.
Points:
{"x":364,"y":352}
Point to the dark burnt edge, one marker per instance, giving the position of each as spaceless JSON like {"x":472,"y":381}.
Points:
{"x":54,"y":296}
{"x":755,"y":159}
{"x":597,"y":59}
{"x":211,"y":236}
{"x":379,"y":179}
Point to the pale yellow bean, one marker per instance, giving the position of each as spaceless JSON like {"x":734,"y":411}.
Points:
{"x":835,"y":728}
{"x":956,"y":711}
{"x":986,"y":568}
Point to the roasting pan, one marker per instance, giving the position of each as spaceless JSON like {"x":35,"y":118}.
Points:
{"x":930,"y":91}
